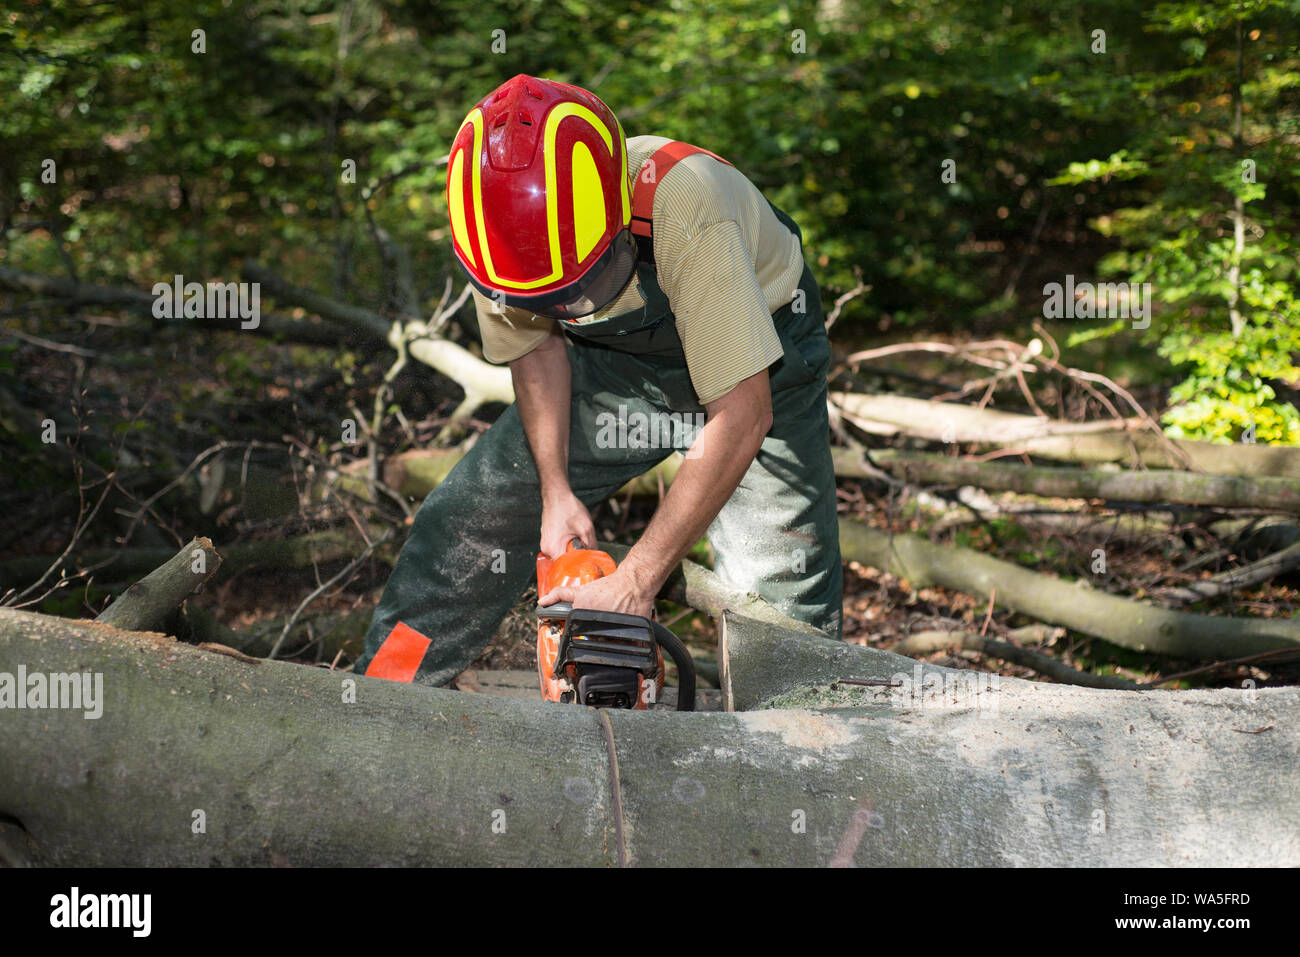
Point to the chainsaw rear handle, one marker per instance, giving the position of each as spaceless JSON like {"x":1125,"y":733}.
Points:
{"x":685,"y":665}
{"x":663,"y":637}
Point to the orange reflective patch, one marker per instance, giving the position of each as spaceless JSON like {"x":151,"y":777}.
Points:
{"x":399,"y":657}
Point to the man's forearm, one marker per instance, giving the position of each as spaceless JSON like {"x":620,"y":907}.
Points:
{"x":704,"y":483}
{"x":542,"y":381}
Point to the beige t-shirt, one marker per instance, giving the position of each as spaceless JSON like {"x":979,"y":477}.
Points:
{"x":723,"y":259}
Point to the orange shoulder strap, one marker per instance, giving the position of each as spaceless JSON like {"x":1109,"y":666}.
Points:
{"x":643,"y":189}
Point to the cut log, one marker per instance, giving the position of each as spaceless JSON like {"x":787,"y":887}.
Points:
{"x":146,"y":604}
{"x":1135,"y":447}
{"x":199,"y":759}
{"x":1122,"y":621}
{"x":1158,"y":486}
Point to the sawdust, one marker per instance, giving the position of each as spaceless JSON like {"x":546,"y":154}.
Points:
{"x":807,"y":730}
{"x":34,"y":623}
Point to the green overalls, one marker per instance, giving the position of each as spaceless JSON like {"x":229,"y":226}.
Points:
{"x":473,"y":546}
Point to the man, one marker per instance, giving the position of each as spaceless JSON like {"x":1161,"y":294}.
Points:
{"x":625,"y":282}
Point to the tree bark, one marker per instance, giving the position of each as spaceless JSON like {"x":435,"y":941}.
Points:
{"x":1122,"y":621}
{"x":1062,"y":441}
{"x":1165,"y":485}
{"x":202,"y":759}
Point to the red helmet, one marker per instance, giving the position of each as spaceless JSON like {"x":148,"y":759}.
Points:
{"x":537,"y":190}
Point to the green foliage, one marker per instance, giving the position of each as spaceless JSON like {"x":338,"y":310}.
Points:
{"x":1228,"y":390}
{"x":1116,"y":166}
{"x":1228,"y":313}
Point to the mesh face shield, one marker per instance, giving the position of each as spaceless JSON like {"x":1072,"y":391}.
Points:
{"x":593,"y":291}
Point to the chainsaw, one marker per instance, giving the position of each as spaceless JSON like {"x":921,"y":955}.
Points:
{"x":602,"y":658}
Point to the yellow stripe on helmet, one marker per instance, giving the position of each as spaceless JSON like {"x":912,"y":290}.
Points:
{"x":623,"y":188}
{"x":588,"y":215}
{"x":585,"y":206}
{"x":456,"y":202}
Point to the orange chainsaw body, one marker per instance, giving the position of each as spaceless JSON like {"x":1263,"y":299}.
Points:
{"x":577,"y":566}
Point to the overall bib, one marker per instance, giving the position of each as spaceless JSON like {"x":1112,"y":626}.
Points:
{"x":473,"y":546}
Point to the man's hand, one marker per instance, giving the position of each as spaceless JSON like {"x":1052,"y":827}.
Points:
{"x":565,"y":518}
{"x":620,"y":592}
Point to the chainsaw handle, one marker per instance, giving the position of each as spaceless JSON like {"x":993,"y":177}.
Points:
{"x":685,"y":665}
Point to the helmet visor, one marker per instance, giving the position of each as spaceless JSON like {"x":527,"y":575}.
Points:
{"x":594,"y":290}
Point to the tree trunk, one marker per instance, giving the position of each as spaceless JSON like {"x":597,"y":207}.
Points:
{"x":141,"y":302}
{"x":203,"y":759}
{"x":481,"y":381}
{"x":1074,"y":605}
{"x":121,"y":564}
{"x":1154,"y":487}
{"x":1062,"y":441}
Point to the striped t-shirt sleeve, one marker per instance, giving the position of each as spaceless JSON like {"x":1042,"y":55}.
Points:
{"x":723,"y":319}
{"x":507,"y":332}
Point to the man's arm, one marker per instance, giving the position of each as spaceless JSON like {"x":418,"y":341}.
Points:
{"x":722,"y":452}
{"x":543,"y":383}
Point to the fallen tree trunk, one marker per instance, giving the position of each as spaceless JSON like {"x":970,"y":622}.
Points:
{"x":140,"y":302}
{"x":972,"y":506}
{"x":1062,"y":441}
{"x":329,"y":545}
{"x":1122,"y":621}
{"x":482,"y":381}
{"x":205,"y":759}
{"x":1080,"y":771}
{"x":1174,"y":487}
